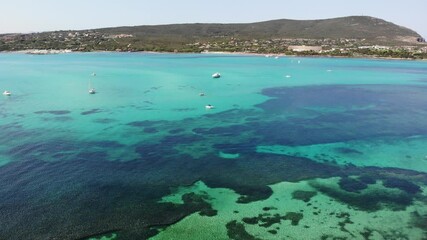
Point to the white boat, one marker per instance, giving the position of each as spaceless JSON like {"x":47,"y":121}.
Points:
{"x":216,"y":75}
{"x":7,"y":93}
{"x":91,"y":89}
{"x":209,"y":106}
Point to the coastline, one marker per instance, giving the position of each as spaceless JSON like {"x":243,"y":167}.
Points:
{"x":66,"y":51}
{"x":311,"y":56}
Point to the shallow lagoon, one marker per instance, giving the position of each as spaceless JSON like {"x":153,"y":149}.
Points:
{"x":315,"y":147}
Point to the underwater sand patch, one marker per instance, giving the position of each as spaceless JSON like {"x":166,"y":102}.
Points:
{"x":284,"y":216}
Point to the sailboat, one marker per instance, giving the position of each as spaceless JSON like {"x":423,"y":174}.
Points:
{"x":91,"y":89}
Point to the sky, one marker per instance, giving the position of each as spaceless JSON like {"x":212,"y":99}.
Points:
{"x":49,"y":15}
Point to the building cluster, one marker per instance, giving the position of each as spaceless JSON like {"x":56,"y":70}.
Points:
{"x":274,"y":45}
{"x":121,"y":36}
{"x":324,"y":46}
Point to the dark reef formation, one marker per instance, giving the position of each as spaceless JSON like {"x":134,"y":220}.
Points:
{"x":70,"y":189}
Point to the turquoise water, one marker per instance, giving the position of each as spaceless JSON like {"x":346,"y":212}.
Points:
{"x":144,"y":158}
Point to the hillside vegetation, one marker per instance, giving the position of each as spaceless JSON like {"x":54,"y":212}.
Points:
{"x":262,"y":37}
{"x":355,"y":27}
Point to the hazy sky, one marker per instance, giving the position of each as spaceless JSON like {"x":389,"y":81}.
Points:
{"x":46,"y":15}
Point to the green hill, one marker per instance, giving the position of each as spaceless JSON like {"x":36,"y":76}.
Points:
{"x":263,"y":37}
{"x":355,"y":27}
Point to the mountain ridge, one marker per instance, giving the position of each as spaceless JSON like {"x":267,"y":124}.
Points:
{"x":273,"y":36}
{"x":364,"y":27}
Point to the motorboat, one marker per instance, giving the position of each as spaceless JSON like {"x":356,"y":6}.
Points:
{"x":92,"y":91}
{"x":216,"y":75}
{"x":209,"y":106}
{"x":7,"y":93}
{"x":201,"y":94}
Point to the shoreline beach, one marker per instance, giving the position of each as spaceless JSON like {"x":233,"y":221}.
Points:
{"x":66,"y":51}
